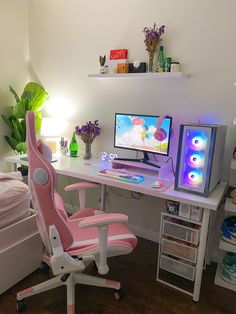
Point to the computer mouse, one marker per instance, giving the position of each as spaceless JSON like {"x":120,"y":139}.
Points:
{"x":157,"y":184}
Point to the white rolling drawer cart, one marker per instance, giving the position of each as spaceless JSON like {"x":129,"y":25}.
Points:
{"x":178,"y":248}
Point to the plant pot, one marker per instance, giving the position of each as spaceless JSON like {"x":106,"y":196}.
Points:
{"x":102,"y":69}
{"x":23,"y":170}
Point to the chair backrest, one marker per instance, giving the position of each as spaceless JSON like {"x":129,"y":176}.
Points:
{"x":42,"y":179}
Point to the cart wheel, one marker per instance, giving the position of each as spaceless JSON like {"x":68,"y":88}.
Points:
{"x":20,"y":306}
{"x":118,"y":295}
{"x":44,"y":267}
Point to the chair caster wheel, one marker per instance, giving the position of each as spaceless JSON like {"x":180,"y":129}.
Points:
{"x":94,"y":265}
{"x":20,"y":306}
{"x":44,"y":267}
{"x":118,"y":295}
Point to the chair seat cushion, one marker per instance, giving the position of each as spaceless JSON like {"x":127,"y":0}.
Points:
{"x":114,"y":248}
{"x":87,"y":237}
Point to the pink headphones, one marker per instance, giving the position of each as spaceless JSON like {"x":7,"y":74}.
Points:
{"x":160,"y":134}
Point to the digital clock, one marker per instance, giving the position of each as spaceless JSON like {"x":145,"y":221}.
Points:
{"x":105,"y":156}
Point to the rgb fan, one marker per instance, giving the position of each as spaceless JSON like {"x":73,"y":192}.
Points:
{"x":193,"y":177}
{"x":195,"y":160}
{"x":197,"y":141}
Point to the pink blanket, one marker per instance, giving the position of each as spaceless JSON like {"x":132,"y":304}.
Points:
{"x":14,"y":199}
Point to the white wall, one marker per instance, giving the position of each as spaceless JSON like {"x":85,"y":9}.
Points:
{"x":67,"y":37}
{"x":14,"y":58}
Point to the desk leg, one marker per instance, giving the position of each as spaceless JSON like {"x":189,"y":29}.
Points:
{"x":201,"y":254}
{"x":209,"y":242}
{"x":103,"y":197}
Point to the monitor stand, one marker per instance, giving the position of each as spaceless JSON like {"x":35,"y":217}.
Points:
{"x":144,"y":160}
{"x":163,"y":170}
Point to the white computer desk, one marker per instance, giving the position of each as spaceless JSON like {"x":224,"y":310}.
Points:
{"x":88,"y":170}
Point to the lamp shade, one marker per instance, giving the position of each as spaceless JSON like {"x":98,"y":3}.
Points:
{"x":53,"y":127}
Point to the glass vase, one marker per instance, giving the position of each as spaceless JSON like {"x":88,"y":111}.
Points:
{"x":150,"y":61}
{"x":88,"y":152}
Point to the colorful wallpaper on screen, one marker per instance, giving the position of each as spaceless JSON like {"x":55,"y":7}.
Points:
{"x":138,"y":132}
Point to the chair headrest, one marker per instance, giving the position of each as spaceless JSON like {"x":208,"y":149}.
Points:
{"x":45,"y":150}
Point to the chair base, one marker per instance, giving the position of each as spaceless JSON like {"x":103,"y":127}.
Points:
{"x":69,"y":280}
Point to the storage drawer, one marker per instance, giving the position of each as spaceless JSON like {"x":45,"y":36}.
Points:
{"x":20,"y":260}
{"x":177,"y":267}
{"x":180,"y":250}
{"x":180,"y":232}
{"x":18,"y":231}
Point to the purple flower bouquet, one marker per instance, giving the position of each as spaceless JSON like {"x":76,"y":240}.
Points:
{"x":87,"y":133}
{"x":152,"y":36}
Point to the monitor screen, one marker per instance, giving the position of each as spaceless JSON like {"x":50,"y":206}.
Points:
{"x":142,"y":132}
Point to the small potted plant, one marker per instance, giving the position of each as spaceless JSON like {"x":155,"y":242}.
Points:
{"x":102,"y":61}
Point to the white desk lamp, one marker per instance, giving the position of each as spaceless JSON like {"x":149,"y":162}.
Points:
{"x":52,"y":129}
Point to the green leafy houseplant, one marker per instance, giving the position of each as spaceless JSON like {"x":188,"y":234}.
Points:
{"x":32,"y":98}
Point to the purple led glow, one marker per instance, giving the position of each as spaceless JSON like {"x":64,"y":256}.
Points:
{"x":193,"y":177}
{"x":195,"y":160}
{"x":197,"y":141}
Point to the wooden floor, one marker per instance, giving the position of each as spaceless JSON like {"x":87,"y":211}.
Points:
{"x":143,"y":295}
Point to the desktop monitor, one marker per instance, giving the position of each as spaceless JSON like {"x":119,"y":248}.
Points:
{"x":149,"y":134}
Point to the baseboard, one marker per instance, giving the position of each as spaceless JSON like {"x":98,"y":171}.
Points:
{"x":137,"y":230}
{"x":70,"y":208}
{"x":144,"y":233}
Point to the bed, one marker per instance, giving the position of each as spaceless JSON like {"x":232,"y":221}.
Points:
{"x":20,"y":242}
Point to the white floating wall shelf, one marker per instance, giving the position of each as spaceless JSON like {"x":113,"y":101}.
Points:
{"x":147,"y":75}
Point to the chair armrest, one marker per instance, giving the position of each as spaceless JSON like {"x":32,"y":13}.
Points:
{"x":81,"y":186}
{"x":102,"y":223}
{"x":102,"y":220}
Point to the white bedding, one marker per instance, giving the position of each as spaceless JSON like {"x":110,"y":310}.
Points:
{"x":14,"y":201}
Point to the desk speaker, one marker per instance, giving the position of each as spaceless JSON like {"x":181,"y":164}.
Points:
{"x":200,"y":156}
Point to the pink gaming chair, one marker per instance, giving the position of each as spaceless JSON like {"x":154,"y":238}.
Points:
{"x":79,"y":187}
{"x":74,"y":243}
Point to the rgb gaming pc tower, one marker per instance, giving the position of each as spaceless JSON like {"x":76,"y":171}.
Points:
{"x":200,"y":158}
